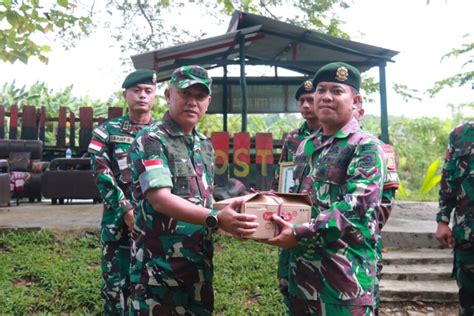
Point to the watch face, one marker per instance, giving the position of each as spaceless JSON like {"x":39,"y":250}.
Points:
{"x":211,"y":221}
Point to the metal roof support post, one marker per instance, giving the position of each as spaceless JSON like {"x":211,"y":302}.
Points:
{"x":243,"y":83}
{"x":225,"y":104}
{"x":383,"y":103}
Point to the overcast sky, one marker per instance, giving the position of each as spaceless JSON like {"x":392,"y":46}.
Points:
{"x":421,"y":33}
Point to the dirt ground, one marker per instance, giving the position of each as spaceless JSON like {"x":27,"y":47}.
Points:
{"x":418,"y":309}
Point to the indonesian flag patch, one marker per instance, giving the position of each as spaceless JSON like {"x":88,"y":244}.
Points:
{"x":153,"y":164}
{"x":95,"y":145}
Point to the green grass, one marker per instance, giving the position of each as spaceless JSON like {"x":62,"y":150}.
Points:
{"x":46,"y":274}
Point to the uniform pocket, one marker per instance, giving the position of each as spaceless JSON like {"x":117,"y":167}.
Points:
{"x":184,"y":179}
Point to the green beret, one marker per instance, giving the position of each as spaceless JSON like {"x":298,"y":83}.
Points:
{"x":144,"y":76}
{"x":306,"y":87}
{"x":338,"y":72}
{"x":186,"y":76}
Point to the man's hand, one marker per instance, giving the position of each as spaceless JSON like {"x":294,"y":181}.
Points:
{"x":444,"y":235}
{"x":235,"y":223}
{"x":286,"y":238}
{"x":129,"y":219}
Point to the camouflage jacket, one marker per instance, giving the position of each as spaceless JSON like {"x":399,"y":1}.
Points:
{"x":288,"y":150}
{"x":108,"y":149}
{"x":457,"y":183}
{"x":166,"y":251}
{"x":335,"y":257}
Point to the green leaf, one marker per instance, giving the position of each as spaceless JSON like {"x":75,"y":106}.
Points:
{"x":7,"y":4}
{"x":12,"y":18}
{"x":63,"y":3}
{"x":429,"y":176}
{"x":431,"y":184}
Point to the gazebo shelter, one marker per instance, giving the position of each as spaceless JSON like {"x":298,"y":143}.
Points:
{"x":256,"y":40}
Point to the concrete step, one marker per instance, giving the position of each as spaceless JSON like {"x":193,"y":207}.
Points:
{"x":417,"y":272}
{"x":416,"y":256}
{"x":410,"y":239}
{"x":419,"y":291}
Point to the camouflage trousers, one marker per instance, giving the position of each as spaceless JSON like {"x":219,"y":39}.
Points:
{"x":317,"y":308}
{"x":115,"y":265}
{"x":297,"y":306}
{"x":464,"y":273}
{"x":379,"y":266}
{"x":196,"y":299}
{"x":282,"y":274}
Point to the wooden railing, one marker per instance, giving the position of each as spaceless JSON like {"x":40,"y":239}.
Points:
{"x":68,"y":130}
{"x":249,"y":159}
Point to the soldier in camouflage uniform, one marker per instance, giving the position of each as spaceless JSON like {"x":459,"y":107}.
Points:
{"x":390,"y":187}
{"x":305,"y":97}
{"x":457,"y":193}
{"x":108,"y":149}
{"x":172,"y":170}
{"x":332,"y":262}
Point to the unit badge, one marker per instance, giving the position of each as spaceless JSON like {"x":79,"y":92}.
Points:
{"x":342,"y":74}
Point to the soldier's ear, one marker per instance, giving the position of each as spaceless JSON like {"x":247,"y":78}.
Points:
{"x":209,"y":103}
{"x":357,"y":99}
{"x":167,"y":95}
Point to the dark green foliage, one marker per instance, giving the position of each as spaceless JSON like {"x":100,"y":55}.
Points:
{"x":23,"y":22}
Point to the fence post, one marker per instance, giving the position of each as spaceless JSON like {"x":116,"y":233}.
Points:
{"x":241,"y":157}
{"x":29,"y":128}
{"x":114,"y":112}
{"x":220,"y":142}
{"x":72,"y":130}
{"x":2,"y":121}
{"x":42,"y":124}
{"x":13,"y":121}
{"x":86,"y":119}
{"x":264,"y":160}
{"x":61,"y":134}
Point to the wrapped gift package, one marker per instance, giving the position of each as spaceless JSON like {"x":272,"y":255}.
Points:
{"x":292,"y":207}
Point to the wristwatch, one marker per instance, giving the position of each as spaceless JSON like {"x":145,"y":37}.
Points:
{"x":211,"y":220}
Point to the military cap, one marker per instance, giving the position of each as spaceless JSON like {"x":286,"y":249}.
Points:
{"x":306,"y":87}
{"x":338,"y":72}
{"x":186,"y":76}
{"x":144,"y":76}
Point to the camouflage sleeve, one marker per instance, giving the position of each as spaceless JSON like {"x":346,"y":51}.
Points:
{"x":448,"y":185}
{"x":149,"y":163}
{"x":386,"y":206}
{"x":108,"y":187}
{"x":355,"y":213}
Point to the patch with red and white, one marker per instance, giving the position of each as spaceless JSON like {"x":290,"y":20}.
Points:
{"x":95,"y":145}
{"x":153,"y":164}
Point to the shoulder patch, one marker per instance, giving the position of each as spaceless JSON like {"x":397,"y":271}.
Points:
{"x":101,"y":133}
{"x":95,"y":146}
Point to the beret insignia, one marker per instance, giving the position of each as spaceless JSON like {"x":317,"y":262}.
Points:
{"x":342,"y":74}
{"x":154,"y":78}
{"x":308,"y":85}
